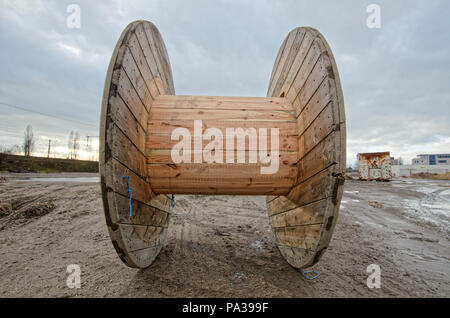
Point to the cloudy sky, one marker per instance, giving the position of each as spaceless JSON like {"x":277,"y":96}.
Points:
{"x":396,"y":79}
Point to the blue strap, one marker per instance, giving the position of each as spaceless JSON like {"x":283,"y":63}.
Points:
{"x":308,"y":277}
{"x":173,"y":201}
{"x":129,"y":191}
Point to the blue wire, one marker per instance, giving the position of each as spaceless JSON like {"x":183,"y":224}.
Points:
{"x":129,"y":191}
{"x":304,"y":274}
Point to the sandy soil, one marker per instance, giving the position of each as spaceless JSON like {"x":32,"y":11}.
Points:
{"x":222,"y":246}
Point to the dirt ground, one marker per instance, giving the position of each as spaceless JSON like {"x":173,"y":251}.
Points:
{"x":222,"y":246}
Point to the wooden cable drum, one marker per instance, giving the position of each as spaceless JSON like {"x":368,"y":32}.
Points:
{"x":289,"y":146}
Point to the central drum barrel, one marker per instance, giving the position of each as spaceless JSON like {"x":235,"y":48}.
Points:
{"x":222,"y":145}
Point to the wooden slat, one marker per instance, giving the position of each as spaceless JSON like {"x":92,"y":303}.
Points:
{"x":114,"y":180}
{"x":313,"y":213}
{"x":120,"y":115}
{"x":321,"y":127}
{"x":142,"y":214}
{"x":316,"y":188}
{"x":319,"y":158}
{"x":308,"y":63}
{"x":138,"y":237}
{"x":285,"y":143}
{"x":299,"y":66}
{"x":124,"y":151}
{"x":277,"y":60}
{"x":141,"y":61}
{"x":287,"y":65}
{"x":134,"y":74}
{"x":223,"y":102}
{"x":164,"y":156}
{"x":280,"y":66}
{"x":132,"y":100}
{"x":230,"y":171}
{"x":304,"y":237}
{"x":151,"y":62}
{"x":165,"y":61}
{"x":154,"y":43}
{"x":164,"y":127}
{"x":220,"y":114}
{"x":279,"y":205}
{"x":318,"y":74}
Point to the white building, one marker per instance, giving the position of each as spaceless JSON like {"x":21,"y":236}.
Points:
{"x":432,"y":160}
{"x":408,"y":170}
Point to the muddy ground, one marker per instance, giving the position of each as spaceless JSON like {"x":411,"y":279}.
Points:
{"x":222,"y":246}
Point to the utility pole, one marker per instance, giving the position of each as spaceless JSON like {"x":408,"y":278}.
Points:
{"x":49,"y":143}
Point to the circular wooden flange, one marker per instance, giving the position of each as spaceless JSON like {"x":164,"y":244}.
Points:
{"x":305,"y":73}
{"x":139,"y":71}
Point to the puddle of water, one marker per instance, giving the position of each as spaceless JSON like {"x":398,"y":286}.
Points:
{"x":81,"y":180}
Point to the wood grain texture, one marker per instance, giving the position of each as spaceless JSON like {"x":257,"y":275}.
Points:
{"x":140,"y":111}
{"x":305,"y":73}
{"x":138,"y":73}
{"x":171,"y":112}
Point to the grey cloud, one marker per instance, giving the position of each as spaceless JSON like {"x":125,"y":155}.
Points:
{"x":394,"y":79}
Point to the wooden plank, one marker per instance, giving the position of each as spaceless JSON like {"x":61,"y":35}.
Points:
{"x":219,"y":114}
{"x":142,"y":214}
{"x":304,"y":237}
{"x":217,"y":181}
{"x":164,"y":127}
{"x":319,"y":158}
{"x":288,"y":62}
{"x":142,"y":64}
{"x":321,"y":98}
{"x":277,"y":59}
{"x":298,"y":67}
{"x":279,"y":69}
{"x":224,"y":190}
{"x":151,"y":62}
{"x":165,"y":58}
{"x":279,"y":205}
{"x":299,"y":258}
{"x":140,"y":86}
{"x":138,"y":237}
{"x":114,"y":180}
{"x":120,"y":115}
{"x":308,"y":63}
{"x":231,"y":171}
{"x":313,"y":213}
{"x":318,"y":74}
{"x":223,"y":102}
{"x":131,"y":98}
{"x":314,"y":189}
{"x":285,"y":143}
{"x":321,"y":127}
{"x":164,"y":156}
{"x":126,"y":152}
{"x":154,"y":47}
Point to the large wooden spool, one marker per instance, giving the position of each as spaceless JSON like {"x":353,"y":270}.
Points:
{"x":140,"y":111}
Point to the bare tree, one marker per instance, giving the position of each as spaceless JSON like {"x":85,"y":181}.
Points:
{"x":28,"y":144}
{"x":76,"y":145}
{"x":70,"y":146}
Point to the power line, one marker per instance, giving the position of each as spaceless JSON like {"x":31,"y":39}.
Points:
{"x":43,"y":114}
